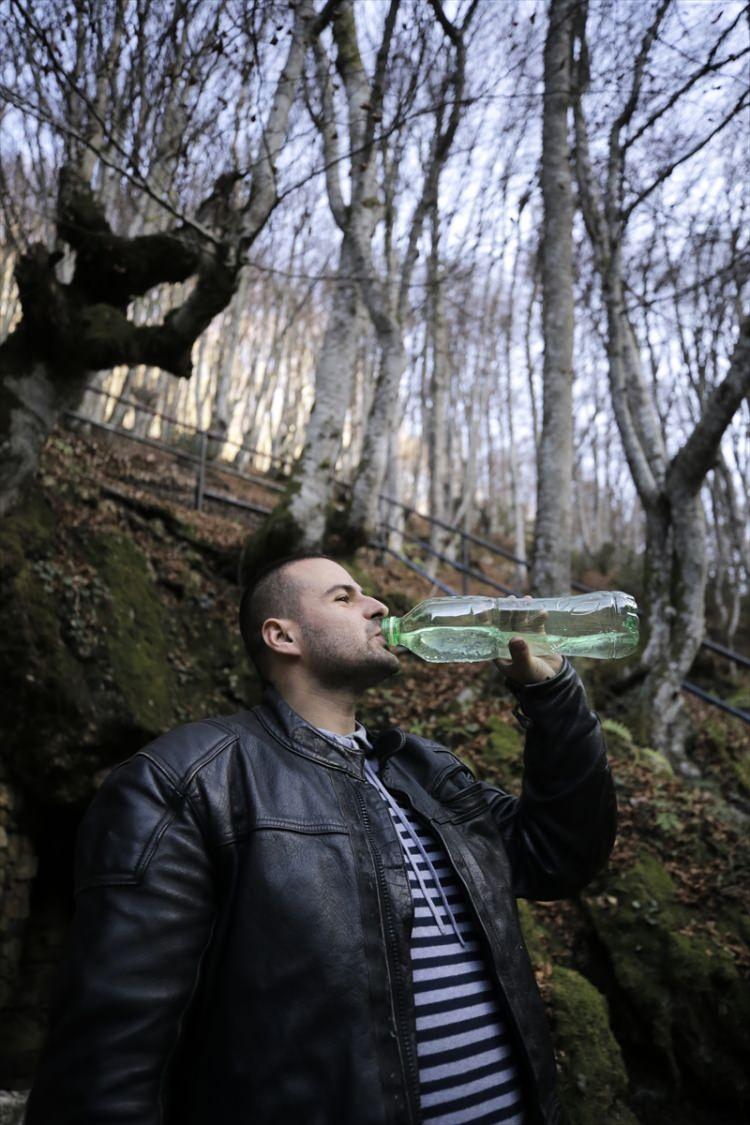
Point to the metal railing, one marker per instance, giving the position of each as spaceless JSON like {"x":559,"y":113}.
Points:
{"x":201,"y":461}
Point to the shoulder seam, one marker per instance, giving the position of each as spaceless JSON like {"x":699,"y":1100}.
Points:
{"x":181,"y":783}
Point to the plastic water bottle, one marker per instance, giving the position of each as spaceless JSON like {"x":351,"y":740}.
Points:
{"x":603,"y":624}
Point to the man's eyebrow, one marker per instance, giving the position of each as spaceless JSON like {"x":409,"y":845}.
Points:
{"x":343,"y":586}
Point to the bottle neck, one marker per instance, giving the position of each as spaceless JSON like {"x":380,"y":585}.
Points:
{"x":390,"y":628}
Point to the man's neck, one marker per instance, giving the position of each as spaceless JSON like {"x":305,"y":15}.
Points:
{"x":324,"y":708}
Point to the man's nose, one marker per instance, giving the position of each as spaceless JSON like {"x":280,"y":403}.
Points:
{"x":376,"y":608}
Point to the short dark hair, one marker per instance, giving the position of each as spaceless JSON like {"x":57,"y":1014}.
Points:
{"x":271,"y":592}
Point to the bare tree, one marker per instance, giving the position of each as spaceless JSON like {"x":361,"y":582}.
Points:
{"x":668,"y":487}
{"x":69,"y":329}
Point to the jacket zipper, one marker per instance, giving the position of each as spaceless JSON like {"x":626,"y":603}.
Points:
{"x":405,"y":1044}
{"x":519,"y":1041}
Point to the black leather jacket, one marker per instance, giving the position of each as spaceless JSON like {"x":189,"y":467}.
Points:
{"x":240,"y":948}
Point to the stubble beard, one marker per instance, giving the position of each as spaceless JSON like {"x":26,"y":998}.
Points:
{"x":358,"y":669}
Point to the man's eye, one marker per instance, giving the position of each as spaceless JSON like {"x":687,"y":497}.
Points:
{"x":342,"y":598}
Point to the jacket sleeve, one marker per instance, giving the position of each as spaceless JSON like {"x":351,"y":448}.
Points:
{"x":561,"y":830}
{"x":143,"y":919}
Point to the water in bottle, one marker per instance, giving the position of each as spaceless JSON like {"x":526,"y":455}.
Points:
{"x":602,"y":624}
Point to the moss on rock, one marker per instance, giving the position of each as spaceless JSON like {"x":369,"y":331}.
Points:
{"x":97,"y":654}
{"x":593,"y":1082}
{"x":680,"y":994}
{"x":137,"y":632}
{"x":278,"y":535}
{"x":26,"y":534}
{"x":592,"y":1078}
{"x":533,"y":934}
{"x":44,"y":687}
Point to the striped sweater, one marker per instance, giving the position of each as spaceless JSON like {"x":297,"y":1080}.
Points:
{"x":468,"y":1072}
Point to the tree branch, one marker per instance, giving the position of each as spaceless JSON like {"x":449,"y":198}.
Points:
{"x":665,"y":173}
{"x":689,"y":467}
{"x":326,"y":124}
{"x":138,"y":181}
{"x":708,"y":67}
{"x":440,"y":148}
{"x":639,"y":67}
{"x":592,"y":204}
{"x":110,"y":268}
{"x":263,"y":195}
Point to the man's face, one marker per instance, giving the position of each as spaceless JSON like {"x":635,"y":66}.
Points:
{"x":338,"y":627}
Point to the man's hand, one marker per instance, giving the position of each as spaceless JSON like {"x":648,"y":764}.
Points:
{"x":525,"y":668}
{"x":522,"y":666}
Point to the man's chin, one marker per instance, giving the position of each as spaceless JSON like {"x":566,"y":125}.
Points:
{"x":374,"y":671}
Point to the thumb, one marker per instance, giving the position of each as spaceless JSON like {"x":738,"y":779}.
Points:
{"x":519,"y":652}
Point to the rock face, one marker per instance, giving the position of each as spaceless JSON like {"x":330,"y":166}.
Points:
{"x":111,"y":631}
{"x":592,"y":1075}
{"x":682,"y":1003}
{"x":645,"y":975}
{"x":18,"y":866}
{"x":102,"y":646}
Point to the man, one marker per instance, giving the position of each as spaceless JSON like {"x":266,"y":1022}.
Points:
{"x":284,"y":918}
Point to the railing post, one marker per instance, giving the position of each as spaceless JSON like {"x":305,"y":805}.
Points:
{"x":200,"y":483}
{"x":465,"y":563}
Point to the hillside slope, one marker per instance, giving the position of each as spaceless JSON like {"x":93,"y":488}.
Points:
{"x":118,"y":620}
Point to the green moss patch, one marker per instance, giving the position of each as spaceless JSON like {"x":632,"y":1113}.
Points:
{"x":593,"y":1082}
{"x":26,"y":534}
{"x":137,"y":631}
{"x":680,"y":992}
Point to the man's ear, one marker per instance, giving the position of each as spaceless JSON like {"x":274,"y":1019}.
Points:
{"x":281,"y":636}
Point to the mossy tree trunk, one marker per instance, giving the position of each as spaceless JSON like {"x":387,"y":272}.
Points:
{"x":334,"y":377}
{"x":31,"y":402}
{"x":675,"y":581}
{"x":364,"y":508}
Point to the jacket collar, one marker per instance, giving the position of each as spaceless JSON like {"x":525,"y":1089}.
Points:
{"x":290,"y":728}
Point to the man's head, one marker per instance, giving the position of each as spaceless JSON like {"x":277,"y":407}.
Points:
{"x":306,"y":617}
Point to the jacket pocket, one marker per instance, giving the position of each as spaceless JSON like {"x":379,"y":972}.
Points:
{"x":458,"y":791}
{"x":467,"y":803}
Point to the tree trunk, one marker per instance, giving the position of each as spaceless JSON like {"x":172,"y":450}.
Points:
{"x":363,"y":511}
{"x":552,"y":544}
{"x":302,"y":520}
{"x":32,"y":401}
{"x":82,"y":324}
{"x":437,"y":415}
{"x":312,"y":487}
{"x":674,"y":621}
{"x":385,"y":294}
{"x":517,"y":515}
{"x":222,"y":405}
